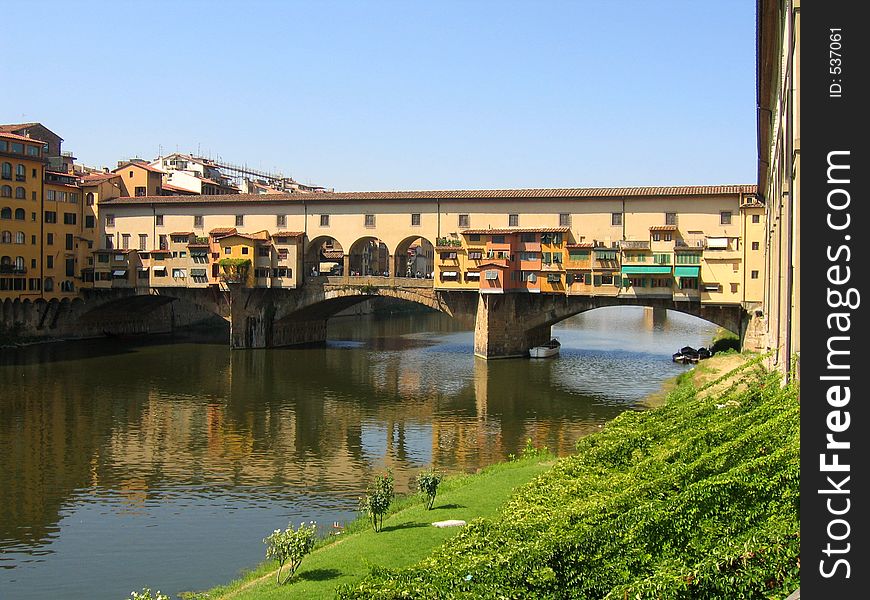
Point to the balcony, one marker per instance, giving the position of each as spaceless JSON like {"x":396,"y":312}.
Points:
{"x":13,"y":270}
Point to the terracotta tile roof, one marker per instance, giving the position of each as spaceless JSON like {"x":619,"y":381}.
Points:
{"x":492,"y":264}
{"x":198,"y":245}
{"x":145,"y":166}
{"x":543,"y":193}
{"x":174,"y":188}
{"x":23,"y":138}
{"x":515,"y":230}
{"x":288,"y":234}
{"x":181,"y":233}
{"x":160,"y":251}
{"x":10,"y":127}
{"x":223,"y":231}
{"x":663,"y":228}
{"x":94,"y":178}
{"x":260,"y":236}
{"x":581,"y":245}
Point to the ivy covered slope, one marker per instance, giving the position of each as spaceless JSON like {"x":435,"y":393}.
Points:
{"x":696,"y":499}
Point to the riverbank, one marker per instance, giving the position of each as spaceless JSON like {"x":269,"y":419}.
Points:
{"x":696,"y":497}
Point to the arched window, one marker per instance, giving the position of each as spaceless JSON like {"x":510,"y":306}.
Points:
{"x":5,"y":213}
{"x":20,"y":193}
{"x":19,"y":264}
{"x":6,"y":261}
{"x":20,"y":173}
{"x":20,"y":237}
{"x":5,"y":237}
{"x":89,"y":199}
{"x":6,"y":191}
{"x":48,"y":286}
{"x":19,"y":214}
{"x":67,"y":286}
{"x":7,"y":170}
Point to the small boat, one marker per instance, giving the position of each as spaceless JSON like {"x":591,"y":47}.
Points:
{"x":687,"y":354}
{"x":551,"y":348}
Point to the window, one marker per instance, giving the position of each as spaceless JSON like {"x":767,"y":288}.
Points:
{"x":492,"y":275}
{"x":131,"y":175}
{"x":125,"y":241}
{"x":554,"y":278}
{"x":370,"y":220}
{"x":143,"y":241}
{"x":725,"y":217}
{"x":415,"y":219}
{"x":49,"y":284}
{"x":228,"y":250}
{"x":179,"y":273}
{"x":754,"y":275}
{"x":141,"y":190}
{"x":110,"y":242}
{"x":734,"y":288}
{"x":498,"y":239}
{"x":529,"y":237}
{"x":283,"y":253}
{"x":756,"y":218}
{"x":163,"y":242}
{"x":20,"y":237}
{"x":49,"y":262}
{"x":90,"y":221}
{"x":6,"y":237}
{"x":474,"y":237}
{"x":616,"y":219}
{"x":281,"y":221}
{"x":19,"y":214}
{"x":198,"y":221}
{"x":244,"y":249}
{"x":33,"y":196}
{"x":324,"y":220}
{"x":661,"y":259}
{"x":20,"y":173}
{"x":240,"y":220}
{"x":69,"y":218}
{"x":32,"y":151}
{"x":464,"y":221}
{"x":755,"y":245}
{"x":7,"y":170}
{"x":513,"y":220}
{"x":264,"y":251}
{"x":670,"y":218}
{"x":475,"y":255}
{"x":20,"y":193}
{"x":158,"y":220}
{"x":578,"y":254}
{"x":656,"y":236}
{"x":73,"y":198}
{"x":564,"y":220}
{"x":50,"y":216}
{"x":110,"y":220}
{"x":688,"y":258}
{"x":61,"y":196}
{"x":69,"y":242}
{"x":6,"y":191}
{"x":89,"y":199}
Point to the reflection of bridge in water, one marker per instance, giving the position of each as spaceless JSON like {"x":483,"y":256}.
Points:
{"x":506,"y":325}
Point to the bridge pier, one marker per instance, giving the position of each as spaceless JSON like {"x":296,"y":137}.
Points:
{"x":499,"y":330}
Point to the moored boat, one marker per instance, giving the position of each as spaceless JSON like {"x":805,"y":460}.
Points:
{"x":551,"y":348}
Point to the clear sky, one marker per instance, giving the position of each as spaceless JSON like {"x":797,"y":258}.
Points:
{"x":381,"y":95}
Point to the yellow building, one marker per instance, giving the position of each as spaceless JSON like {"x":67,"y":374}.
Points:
{"x":138,"y":178}
{"x":61,"y":236}
{"x":22,"y":167}
{"x":779,"y":150}
{"x":238,"y":252}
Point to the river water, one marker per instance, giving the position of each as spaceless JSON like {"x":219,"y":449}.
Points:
{"x":163,"y":462}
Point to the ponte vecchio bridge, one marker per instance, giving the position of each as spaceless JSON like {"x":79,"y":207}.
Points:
{"x":516,"y":261}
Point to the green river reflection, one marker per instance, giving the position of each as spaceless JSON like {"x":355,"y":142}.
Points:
{"x":163,"y":462}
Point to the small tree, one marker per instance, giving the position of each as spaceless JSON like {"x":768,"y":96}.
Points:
{"x":289,"y":546}
{"x":377,"y":500}
{"x":427,"y":483}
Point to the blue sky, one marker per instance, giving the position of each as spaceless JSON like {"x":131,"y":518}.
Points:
{"x":382,"y":95}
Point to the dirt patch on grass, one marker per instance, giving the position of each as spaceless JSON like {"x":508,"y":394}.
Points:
{"x":715,"y":367}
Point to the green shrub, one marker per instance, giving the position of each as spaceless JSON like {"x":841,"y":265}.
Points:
{"x":377,"y":500}
{"x":427,"y":483}
{"x":290,"y":546}
{"x":145,"y":594}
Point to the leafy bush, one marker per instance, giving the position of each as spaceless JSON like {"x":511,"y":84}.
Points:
{"x":696,"y":499}
{"x":290,"y":546}
{"x":145,"y":594}
{"x":377,"y":500}
{"x":427,"y":483}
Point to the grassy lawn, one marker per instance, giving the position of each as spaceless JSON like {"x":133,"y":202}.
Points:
{"x":407,"y":536}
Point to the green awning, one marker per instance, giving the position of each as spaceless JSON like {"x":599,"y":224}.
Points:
{"x":686,"y":271}
{"x":656,"y":270}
